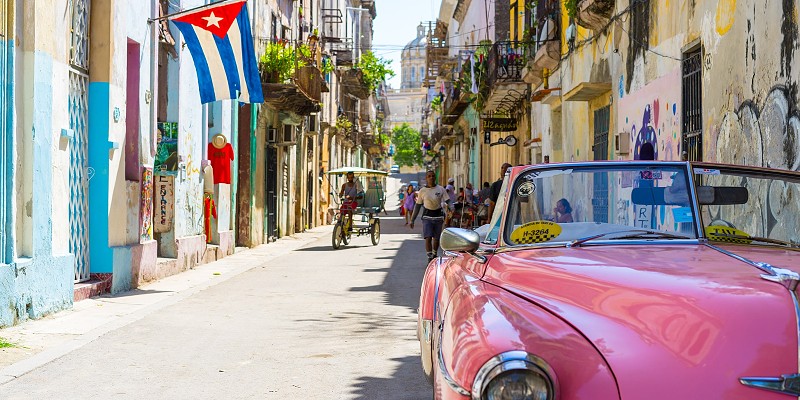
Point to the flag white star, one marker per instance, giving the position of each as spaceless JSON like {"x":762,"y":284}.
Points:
{"x":212,"y":20}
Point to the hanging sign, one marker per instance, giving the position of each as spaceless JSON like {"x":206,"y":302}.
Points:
{"x":164,"y":203}
{"x":500,"y":124}
{"x":487,"y":137}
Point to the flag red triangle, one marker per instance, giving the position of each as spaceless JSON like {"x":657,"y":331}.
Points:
{"x":217,"y":19}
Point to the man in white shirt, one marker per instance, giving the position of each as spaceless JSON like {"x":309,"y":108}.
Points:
{"x":430,"y":199}
{"x":451,"y":190}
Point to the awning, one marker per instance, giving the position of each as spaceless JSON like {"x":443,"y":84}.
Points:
{"x":357,"y":171}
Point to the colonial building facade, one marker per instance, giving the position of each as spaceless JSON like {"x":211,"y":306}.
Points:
{"x":108,"y":174}
{"x":605,"y":79}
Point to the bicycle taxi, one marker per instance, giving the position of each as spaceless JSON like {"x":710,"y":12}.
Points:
{"x":358,"y":215}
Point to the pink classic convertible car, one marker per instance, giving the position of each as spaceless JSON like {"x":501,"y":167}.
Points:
{"x":621,"y":280}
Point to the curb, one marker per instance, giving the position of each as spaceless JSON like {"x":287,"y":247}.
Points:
{"x":192,"y":282}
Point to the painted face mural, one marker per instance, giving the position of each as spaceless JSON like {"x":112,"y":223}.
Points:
{"x":646,"y":141}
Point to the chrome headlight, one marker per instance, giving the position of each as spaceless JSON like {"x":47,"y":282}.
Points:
{"x":514,"y":375}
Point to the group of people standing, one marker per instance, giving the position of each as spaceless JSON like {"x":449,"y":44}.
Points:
{"x":433,"y":201}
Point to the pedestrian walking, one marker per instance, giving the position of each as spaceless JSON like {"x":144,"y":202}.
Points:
{"x":496,"y":186}
{"x":408,"y":203}
{"x":430,"y":200}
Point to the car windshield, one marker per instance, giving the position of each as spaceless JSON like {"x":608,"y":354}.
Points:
{"x":749,"y":207}
{"x":613,"y":202}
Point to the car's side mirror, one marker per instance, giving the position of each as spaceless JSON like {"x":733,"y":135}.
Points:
{"x":459,"y":240}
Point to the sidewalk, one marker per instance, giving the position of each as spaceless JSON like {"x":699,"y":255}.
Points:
{"x":41,"y":341}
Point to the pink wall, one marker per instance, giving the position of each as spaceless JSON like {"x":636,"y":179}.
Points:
{"x":653,"y":114}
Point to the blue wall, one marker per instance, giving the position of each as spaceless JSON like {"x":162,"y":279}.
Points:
{"x":34,"y":287}
{"x":101,"y":257}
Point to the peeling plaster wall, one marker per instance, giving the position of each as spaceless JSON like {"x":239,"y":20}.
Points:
{"x":750,"y":106}
{"x":39,"y":282}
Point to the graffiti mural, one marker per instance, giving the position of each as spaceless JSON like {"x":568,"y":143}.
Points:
{"x":167,"y":153}
{"x":652,"y":116}
{"x":146,"y":208}
{"x":766,"y":136}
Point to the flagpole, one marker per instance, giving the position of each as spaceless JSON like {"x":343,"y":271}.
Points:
{"x":200,"y":8}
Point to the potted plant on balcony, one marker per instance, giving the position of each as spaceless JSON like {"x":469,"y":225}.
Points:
{"x":277,"y":62}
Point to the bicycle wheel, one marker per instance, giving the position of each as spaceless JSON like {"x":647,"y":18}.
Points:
{"x":336,"y":237}
{"x":375,"y":232}
{"x":347,"y":226}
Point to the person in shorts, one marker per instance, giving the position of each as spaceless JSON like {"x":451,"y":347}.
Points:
{"x":430,"y":199}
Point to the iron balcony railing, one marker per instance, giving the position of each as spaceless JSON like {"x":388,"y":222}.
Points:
{"x":506,"y":62}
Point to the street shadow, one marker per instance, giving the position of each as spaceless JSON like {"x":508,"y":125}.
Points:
{"x":400,"y":287}
{"x":396,"y":387}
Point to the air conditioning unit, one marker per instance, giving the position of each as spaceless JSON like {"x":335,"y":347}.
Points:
{"x":272,"y":135}
{"x":289,"y":136}
{"x":312,"y":125}
{"x":623,"y":143}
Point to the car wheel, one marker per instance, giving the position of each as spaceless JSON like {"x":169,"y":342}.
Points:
{"x":375,"y":232}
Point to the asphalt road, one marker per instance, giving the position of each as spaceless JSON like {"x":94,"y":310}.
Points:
{"x":313,"y":324}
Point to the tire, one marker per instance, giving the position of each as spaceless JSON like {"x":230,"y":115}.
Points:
{"x":346,"y":220}
{"x":336,"y":237}
{"x":375,"y":232}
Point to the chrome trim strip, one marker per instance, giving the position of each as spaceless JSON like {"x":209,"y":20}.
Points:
{"x":698,"y":223}
{"x":508,"y":361}
{"x":427,"y":324}
{"x":442,"y":368}
{"x":789,"y":279}
{"x":446,"y":375}
{"x":786,"y":384}
{"x":616,"y":242}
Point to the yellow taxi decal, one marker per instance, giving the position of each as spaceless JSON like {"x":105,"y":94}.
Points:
{"x":536,"y":232}
{"x":724,"y":233}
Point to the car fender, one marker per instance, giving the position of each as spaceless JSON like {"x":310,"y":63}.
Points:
{"x":482,"y":321}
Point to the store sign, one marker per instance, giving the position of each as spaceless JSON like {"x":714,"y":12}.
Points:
{"x":164,"y":203}
{"x":500,"y":124}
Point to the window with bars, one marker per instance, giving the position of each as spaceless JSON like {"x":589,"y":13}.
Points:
{"x":602,"y":118}
{"x":692,"y":109}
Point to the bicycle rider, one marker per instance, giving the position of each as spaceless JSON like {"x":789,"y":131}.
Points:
{"x":350,"y":193}
{"x":430,"y":199}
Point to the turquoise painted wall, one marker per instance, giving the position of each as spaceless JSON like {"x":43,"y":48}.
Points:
{"x":37,"y":286}
{"x":101,"y":257}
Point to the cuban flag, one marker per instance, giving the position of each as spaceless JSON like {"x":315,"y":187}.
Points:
{"x":221,"y":44}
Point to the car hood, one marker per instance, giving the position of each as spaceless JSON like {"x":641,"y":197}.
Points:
{"x":680,"y":321}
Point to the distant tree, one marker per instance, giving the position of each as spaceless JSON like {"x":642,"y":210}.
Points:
{"x":407,"y":147}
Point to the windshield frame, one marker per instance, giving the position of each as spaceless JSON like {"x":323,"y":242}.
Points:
{"x":601,"y":166}
{"x":745,"y":171}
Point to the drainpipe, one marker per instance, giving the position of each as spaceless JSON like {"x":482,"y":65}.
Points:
{"x":153,"y":75}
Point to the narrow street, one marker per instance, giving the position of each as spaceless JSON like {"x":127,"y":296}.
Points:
{"x":314,"y":323}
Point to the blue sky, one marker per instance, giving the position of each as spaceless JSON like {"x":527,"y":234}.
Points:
{"x":396,"y":25}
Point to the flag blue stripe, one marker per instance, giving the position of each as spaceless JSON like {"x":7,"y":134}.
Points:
{"x":229,"y":63}
{"x":250,"y":68}
{"x":201,"y":65}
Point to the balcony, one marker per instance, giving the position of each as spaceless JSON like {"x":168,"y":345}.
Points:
{"x":437,"y":50}
{"x":548,"y":55}
{"x":302,"y":95}
{"x":506,"y":63}
{"x":454,"y":105}
{"x":352,"y":83}
{"x":595,"y":14}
